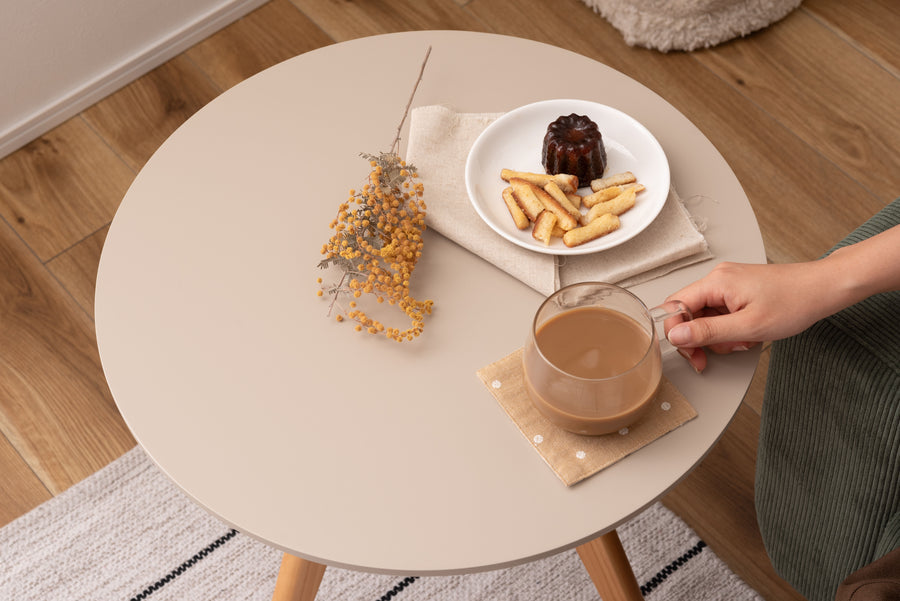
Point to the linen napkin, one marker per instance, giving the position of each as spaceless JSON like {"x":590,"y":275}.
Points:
{"x":574,"y":457}
{"x":439,"y":142}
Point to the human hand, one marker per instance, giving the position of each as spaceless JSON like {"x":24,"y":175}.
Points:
{"x":737,"y":306}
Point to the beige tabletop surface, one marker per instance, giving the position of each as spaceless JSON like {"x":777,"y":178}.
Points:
{"x":343,"y":448}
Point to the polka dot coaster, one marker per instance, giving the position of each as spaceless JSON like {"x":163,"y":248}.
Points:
{"x":574,"y":457}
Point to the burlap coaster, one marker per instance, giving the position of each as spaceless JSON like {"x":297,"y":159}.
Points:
{"x":574,"y":457}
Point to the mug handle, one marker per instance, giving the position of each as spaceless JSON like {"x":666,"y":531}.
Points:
{"x":666,"y":316}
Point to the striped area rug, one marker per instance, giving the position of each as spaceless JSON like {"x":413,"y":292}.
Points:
{"x":126,"y":533}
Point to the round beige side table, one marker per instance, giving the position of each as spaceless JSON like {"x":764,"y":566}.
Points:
{"x":350,"y":450}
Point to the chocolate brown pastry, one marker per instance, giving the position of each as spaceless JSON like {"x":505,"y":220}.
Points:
{"x":573,"y":145}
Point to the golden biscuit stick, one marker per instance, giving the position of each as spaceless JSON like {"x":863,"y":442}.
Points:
{"x":567,"y":183}
{"x":519,"y":218}
{"x":553,"y":190}
{"x":616,"y":206}
{"x":601,"y":196}
{"x":523,"y":192}
{"x":564,"y":218}
{"x":575,"y":200}
{"x":598,"y":227}
{"x":613,"y":180}
{"x":543,"y":227}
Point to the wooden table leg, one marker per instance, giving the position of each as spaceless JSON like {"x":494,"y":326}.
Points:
{"x":609,"y":568}
{"x":298,"y":579}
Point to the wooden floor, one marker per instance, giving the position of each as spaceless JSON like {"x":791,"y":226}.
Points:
{"x":806,"y":112}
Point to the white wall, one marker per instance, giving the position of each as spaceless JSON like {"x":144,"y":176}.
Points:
{"x":58,"y":57}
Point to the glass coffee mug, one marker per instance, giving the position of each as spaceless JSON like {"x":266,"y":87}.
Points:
{"x":592,"y":364}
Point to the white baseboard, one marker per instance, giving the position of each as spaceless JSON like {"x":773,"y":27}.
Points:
{"x":45,"y":119}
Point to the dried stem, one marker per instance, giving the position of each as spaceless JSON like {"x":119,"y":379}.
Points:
{"x":336,"y":293}
{"x":395,"y":146}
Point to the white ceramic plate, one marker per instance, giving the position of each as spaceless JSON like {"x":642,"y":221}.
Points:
{"x":514,"y":142}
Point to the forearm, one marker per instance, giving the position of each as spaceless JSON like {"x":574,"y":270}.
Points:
{"x":866,"y":268}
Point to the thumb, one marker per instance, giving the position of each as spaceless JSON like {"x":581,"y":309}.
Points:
{"x":706,"y":331}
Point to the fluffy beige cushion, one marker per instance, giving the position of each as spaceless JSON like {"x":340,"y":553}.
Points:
{"x":689,"y":24}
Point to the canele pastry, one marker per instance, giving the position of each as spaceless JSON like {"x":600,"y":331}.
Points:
{"x":573,"y":145}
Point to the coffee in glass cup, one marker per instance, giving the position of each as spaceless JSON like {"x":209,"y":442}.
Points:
{"x":592,"y":363}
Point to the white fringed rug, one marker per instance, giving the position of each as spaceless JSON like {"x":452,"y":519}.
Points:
{"x":689,"y":24}
{"x":127,"y":533}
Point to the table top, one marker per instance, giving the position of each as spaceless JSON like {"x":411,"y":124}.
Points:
{"x":339,"y":447}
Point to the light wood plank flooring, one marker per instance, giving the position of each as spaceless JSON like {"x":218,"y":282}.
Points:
{"x":805,"y":112}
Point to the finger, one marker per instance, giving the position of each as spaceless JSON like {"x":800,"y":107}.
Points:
{"x":670,"y":323}
{"x":715,"y":330}
{"x":696,"y":357}
{"x":700,"y":297}
{"x":724,"y":348}
{"x":682,"y":336}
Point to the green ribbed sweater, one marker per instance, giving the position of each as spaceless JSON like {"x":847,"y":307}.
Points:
{"x":828,"y":465}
